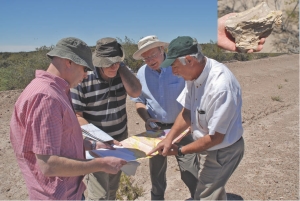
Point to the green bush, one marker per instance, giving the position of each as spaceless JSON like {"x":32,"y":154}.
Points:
{"x":127,"y":190}
{"x":18,"y":69}
{"x":130,"y":47}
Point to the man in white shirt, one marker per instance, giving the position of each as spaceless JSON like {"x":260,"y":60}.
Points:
{"x":212,"y":104}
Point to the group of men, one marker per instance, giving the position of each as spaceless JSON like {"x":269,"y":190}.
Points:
{"x":177,"y":90}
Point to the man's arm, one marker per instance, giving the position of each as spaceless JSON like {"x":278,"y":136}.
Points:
{"x":51,"y":165}
{"x":203,"y":143}
{"x":182,"y":122}
{"x":81,"y":120}
{"x":132,"y":85}
{"x":142,"y":111}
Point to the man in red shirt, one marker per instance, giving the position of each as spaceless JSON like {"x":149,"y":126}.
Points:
{"x":45,"y":133}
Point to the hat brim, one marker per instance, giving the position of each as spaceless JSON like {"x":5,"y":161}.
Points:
{"x":138,"y":53}
{"x":105,"y":62}
{"x":167,"y":63}
{"x":61,"y":53}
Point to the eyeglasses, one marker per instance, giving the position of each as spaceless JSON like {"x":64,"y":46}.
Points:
{"x":85,"y":69}
{"x":153,"y":56}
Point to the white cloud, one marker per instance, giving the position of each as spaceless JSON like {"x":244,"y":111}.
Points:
{"x":16,"y":48}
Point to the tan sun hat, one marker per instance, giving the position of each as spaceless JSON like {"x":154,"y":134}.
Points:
{"x":146,"y":44}
{"x":107,"y":52}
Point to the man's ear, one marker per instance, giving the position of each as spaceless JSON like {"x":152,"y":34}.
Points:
{"x":189,"y":60}
{"x":68,"y":63}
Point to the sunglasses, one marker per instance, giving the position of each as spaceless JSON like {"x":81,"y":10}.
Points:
{"x":86,"y":69}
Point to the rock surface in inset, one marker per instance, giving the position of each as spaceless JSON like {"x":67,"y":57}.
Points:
{"x":249,"y":26}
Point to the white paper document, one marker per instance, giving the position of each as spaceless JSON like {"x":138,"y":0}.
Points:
{"x":93,"y":132}
{"x":131,"y":166}
{"x":119,"y":152}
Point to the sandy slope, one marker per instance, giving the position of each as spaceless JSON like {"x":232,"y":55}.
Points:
{"x":270,"y":168}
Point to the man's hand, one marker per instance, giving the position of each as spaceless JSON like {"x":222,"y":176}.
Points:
{"x":112,"y":165}
{"x":148,"y":126}
{"x":102,"y":145}
{"x":227,"y":42}
{"x":165,"y":148}
{"x":114,"y":142}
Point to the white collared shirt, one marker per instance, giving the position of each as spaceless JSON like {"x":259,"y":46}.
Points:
{"x":215,"y":102}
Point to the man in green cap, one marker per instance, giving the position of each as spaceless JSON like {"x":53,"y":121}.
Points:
{"x":212,"y":102}
{"x":101,"y":100}
{"x":44,"y":131}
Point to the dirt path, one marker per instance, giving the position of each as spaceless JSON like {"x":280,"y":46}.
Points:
{"x":270,"y":167}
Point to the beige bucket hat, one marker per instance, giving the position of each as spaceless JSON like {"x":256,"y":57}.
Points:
{"x":74,"y":49}
{"x":108,"y":51}
{"x":146,"y":44}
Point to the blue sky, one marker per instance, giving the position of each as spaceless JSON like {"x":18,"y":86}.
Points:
{"x":27,"y":24}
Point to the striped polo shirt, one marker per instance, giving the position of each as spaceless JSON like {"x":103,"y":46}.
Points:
{"x":103,"y":103}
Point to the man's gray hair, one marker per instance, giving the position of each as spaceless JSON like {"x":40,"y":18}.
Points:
{"x":199,"y":55}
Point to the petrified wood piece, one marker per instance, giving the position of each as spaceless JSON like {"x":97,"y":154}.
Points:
{"x":249,"y":26}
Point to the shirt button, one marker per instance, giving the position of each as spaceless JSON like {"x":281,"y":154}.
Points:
{"x":197,"y":86}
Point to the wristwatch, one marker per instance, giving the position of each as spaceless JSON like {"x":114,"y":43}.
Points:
{"x":122,"y":64}
{"x":93,"y":145}
{"x":179,"y":151}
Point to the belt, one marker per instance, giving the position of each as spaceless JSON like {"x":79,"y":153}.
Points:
{"x":164,"y":124}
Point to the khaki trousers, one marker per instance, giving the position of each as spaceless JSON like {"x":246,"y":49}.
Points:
{"x":103,"y":186}
{"x":215,"y":169}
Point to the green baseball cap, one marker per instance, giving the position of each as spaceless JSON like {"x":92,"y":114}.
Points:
{"x":74,"y":49}
{"x":180,"y":46}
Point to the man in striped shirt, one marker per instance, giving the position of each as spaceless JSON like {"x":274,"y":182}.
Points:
{"x":101,"y":100}
{"x":45,"y":133}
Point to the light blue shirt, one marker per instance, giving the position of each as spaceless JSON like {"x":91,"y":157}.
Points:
{"x":159,"y":93}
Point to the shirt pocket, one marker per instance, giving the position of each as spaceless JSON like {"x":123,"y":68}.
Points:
{"x":201,"y":114}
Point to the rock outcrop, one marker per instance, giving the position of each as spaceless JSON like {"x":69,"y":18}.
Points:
{"x":249,"y":26}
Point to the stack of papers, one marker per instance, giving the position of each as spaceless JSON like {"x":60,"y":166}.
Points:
{"x":95,"y":133}
{"x":133,"y":148}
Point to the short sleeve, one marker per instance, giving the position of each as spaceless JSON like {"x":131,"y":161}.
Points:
{"x":221,"y":111}
{"x":45,"y":125}
{"x":184,"y":98}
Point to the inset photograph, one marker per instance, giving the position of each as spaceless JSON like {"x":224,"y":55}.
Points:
{"x":272,"y":25}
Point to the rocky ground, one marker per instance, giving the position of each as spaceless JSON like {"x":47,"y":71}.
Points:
{"x":270,"y":167}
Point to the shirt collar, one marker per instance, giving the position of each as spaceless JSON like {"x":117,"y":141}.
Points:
{"x":62,"y":84}
{"x":202,"y":77}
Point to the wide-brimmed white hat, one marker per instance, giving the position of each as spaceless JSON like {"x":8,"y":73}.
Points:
{"x":146,"y":44}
